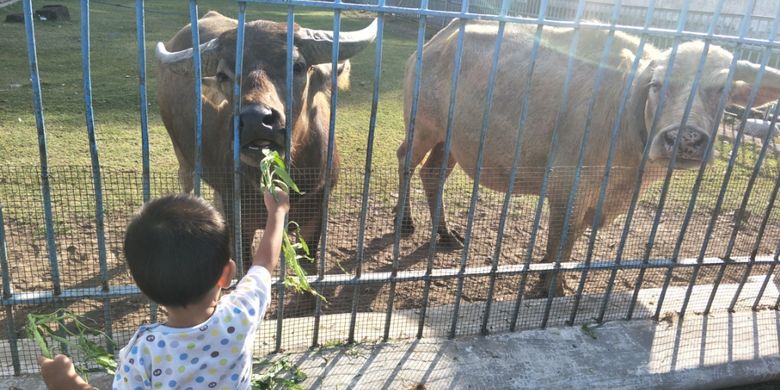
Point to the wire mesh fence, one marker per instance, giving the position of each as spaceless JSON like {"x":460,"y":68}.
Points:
{"x":691,"y":244}
{"x":660,"y":17}
{"x":113,"y":302}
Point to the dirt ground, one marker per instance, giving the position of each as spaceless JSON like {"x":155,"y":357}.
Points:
{"x":78,"y":258}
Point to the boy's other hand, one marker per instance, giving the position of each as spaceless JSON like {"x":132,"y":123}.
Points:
{"x":279,"y":205}
{"x":60,"y":373}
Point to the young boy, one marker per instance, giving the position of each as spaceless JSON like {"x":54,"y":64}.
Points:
{"x":178,"y":251}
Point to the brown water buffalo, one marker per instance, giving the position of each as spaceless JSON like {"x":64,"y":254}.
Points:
{"x":546,"y":97}
{"x":262,"y":116}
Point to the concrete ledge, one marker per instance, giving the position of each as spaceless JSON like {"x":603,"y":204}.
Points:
{"x":696,"y":351}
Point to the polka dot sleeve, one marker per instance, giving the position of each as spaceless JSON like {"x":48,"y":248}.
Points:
{"x":216,"y":354}
{"x":252,"y":294}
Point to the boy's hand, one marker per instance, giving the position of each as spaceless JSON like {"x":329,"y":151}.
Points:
{"x":279,"y":205}
{"x":59,"y":373}
{"x":267,"y":254}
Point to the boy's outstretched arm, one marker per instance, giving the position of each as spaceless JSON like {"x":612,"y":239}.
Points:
{"x":267,"y":254}
{"x":60,"y":374}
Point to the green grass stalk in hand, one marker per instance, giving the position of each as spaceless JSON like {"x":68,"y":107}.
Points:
{"x":273,"y":174}
{"x":77,"y":337}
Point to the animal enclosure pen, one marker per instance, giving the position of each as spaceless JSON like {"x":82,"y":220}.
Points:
{"x":696,"y":240}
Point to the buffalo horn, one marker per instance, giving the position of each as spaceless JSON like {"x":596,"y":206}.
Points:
{"x":747,"y":71}
{"x":181,"y":61}
{"x":317,"y":45}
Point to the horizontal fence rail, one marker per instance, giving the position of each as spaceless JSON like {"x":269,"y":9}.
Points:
{"x":528,"y":243}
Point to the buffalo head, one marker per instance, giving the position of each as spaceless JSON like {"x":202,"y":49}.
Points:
{"x":262,"y":121}
{"x":700,"y":124}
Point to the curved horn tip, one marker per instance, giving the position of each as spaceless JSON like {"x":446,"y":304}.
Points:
{"x":160,"y":51}
{"x":374,"y":26}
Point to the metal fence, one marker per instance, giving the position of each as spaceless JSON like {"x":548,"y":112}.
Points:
{"x":700,"y":240}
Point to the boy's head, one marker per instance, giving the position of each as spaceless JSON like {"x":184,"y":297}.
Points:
{"x":177,"y":248}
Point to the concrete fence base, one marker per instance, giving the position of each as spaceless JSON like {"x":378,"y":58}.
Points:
{"x":695,"y":351}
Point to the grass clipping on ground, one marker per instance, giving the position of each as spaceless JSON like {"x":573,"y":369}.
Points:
{"x":76,"y":337}
{"x":273,"y":174}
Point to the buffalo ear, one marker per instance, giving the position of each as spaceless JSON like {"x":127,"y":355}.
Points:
{"x":638,"y":99}
{"x":344,"y":70}
{"x":321,"y":77}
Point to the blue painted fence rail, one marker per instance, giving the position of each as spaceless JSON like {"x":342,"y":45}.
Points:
{"x":504,"y":12}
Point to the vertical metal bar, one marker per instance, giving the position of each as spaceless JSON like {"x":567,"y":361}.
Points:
{"x":141,"y":35}
{"x":700,"y":175}
{"x":769,"y":272}
{"x":578,"y":170}
{"x":32,"y":57}
{"x":610,"y":158}
{"x":7,"y":293}
{"x":694,"y":193}
{"x":670,"y":168}
{"x":280,"y":288}
{"x":367,"y":172}
{"x":665,"y":188}
{"x":95,"y":158}
{"x":730,"y":166}
{"x":515,"y":166}
{"x":198,"y":101}
{"x":145,"y":178}
{"x":334,"y":97}
{"x":759,"y":236}
{"x":475,"y":187}
{"x":769,"y":276}
{"x":403,"y":192}
{"x":553,"y":148}
{"x":12,"y":340}
{"x":7,"y":289}
{"x":642,"y":164}
{"x":442,"y":170}
{"x":743,"y":205}
{"x":237,"y":244}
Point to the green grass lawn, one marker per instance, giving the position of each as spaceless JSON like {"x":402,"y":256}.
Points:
{"x":116,"y":100}
{"x":115,"y":84}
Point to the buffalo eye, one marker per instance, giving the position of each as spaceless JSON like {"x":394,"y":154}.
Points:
{"x":299,"y":67}
{"x":222,"y":77}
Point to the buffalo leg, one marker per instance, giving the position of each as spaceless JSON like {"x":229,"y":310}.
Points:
{"x":185,"y":172}
{"x":307,"y":213}
{"x":420,"y":148}
{"x":429,"y":174}
{"x":554,"y":249}
{"x":247,"y":228}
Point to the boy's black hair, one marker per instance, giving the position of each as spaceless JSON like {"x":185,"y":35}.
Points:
{"x":176,"y":248}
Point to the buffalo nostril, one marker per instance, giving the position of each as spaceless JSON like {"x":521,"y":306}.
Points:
{"x":693,"y":137}
{"x":269,"y":119}
{"x":257,"y":117}
{"x":670,"y":137}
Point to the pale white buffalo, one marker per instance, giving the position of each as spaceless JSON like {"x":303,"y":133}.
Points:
{"x":546,"y":97}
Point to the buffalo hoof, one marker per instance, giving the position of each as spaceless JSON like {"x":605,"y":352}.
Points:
{"x":407,"y":226}
{"x":545,"y":281}
{"x":450,"y":240}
